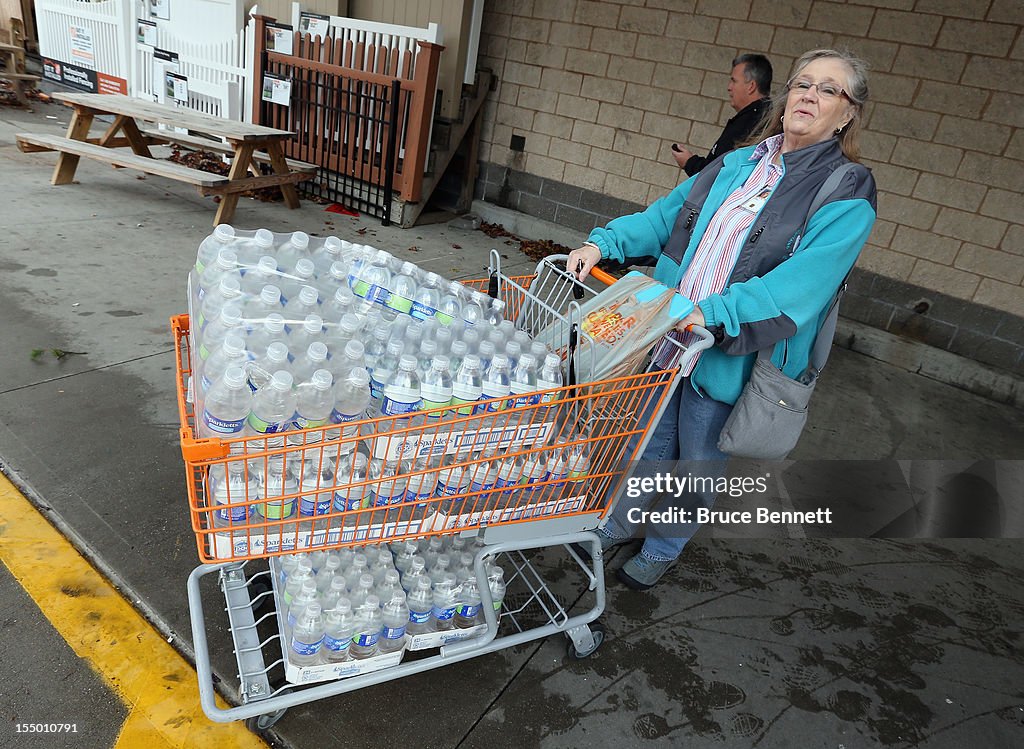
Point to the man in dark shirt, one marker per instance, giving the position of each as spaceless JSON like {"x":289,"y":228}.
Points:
{"x":750,"y":85}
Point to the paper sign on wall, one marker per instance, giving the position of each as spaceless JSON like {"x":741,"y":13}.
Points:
{"x":164,"y":62}
{"x":146,"y":33}
{"x":277,"y":90}
{"x":279,"y":38}
{"x":81,"y":45}
{"x":314,"y":24}
{"x":160,"y":9}
{"x":176,"y":87}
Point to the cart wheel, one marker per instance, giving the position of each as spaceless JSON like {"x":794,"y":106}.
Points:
{"x":264,"y":722}
{"x":597,"y":630}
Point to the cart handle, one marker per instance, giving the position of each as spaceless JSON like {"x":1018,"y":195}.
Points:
{"x":601,"y":275}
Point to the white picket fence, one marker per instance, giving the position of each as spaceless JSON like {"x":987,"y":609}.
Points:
{"x":102,"y":47}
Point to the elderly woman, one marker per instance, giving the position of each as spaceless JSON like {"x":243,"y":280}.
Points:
{"x":726,"y":238}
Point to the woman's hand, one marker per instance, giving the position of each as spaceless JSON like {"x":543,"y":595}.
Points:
{"x":581,"y":260}
{"x":694,"y":318}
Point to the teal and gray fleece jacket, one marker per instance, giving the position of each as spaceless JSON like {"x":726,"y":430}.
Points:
{"x":776,"y":294}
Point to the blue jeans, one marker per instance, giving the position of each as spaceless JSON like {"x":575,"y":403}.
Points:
{"x":684,"y":442}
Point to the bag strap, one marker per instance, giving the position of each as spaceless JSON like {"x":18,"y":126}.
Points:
{"x":823,"y":343}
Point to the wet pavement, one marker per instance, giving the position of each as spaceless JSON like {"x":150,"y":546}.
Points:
{"x":769,"y":642}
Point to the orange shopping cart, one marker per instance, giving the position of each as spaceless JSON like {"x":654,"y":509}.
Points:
{"x":574,"y":446}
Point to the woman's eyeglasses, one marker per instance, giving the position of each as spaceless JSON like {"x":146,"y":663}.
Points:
{"x":826,"y":89}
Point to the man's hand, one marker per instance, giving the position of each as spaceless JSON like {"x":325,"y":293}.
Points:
{"x":694,"y":318}
{"x":681,"y":154}
{"x":581,"y":260}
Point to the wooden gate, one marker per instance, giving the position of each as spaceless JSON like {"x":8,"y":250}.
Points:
{"x":361,"y":113}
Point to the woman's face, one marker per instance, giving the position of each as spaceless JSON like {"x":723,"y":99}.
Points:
{"x":813,"y":115}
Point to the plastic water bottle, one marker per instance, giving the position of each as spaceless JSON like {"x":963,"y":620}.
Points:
{"x":278,"y":482}
{"x":472,"y":337}
{"x":485,"y":473}
{"x":486,"y":351}
{"x":394,"y":619}
{"x":579,"y":469}
{"x":313,"y":407}
{"x":335,"y":594}
{"x":389,"y":586}
{"x":403,"y":289}
{"x":291,"y":282}
{"x":228,"y":290}
{"x":222,"y":238}
{"x":351,"y":401}
{"x":496,"y":384}
{"x":333,"y":280}
{"x":250,"y":250}
{"x":232,"y":487}
{"x":306,"y":302}
{"x":450,"y":307}
{"x":445,"y":600}
{"x":467,"y":385}
{"x":402,"y":392}
{"x":341,"y":302}
{"x":231,"y":353}
{"x":514,"y":351}
{"x":558,"y":466}
{"x":295,"y":248}
{"x":540,"y":352}
{"x":427,"y":299}
{"x":390,"y":485}
{"x":314,"y":358}
{"x":351,"y":470}
{"x":436,"y":388}
{"x":403,"y":556}
{"x":535,"y":470}
{"x":212,"y":338}
{"x":299,"y":337}
{"x":373,"y":283}
{"x":273,"y":408}
{"x":306,"y":595}
{"x":495,"y":315}
{"x":383,"y":371}
{"x":473,"y":310}
{"x":510,"y":472}
{"x":451,"y":481}
{"x":467,"y":612}
{"x":265,"y":333}
{"x":385,"y":576}
{"x":549,"y":377}
{"x":264,"y":273}
{"x":368,"y":625}
{"x":226,"y":406}
{"x":256,"y":309}
{"x":339,"y":626}
{"x":275,"y":358}
{"x":426,"y":354}
{"x":362,"y":590}
{"x":347,"y":331}
{"x":326,"y":574}
{"x":496,"y":582}
{"x":421,"y":604}
{"x":327,"y":254}
{"x":353,"y":356}
{"x":307,"y":637}
{"x":356,"y":569}
{"x":412,"y":335}
{"x":457,"y":352}
{"x":226,"y":264}
{"x":303,"y":571}
{"x":420,"y":488}
{"x":417,"y":569}
{"x":377,"y":346}
{"x":524,"y":382}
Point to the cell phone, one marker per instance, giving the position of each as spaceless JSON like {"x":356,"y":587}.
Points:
{"x":676,"y":148}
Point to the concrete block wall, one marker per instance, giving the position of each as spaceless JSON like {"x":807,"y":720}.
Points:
{"x":599,"y":89}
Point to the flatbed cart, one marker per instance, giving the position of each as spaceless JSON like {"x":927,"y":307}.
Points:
{"x":608,"y":422}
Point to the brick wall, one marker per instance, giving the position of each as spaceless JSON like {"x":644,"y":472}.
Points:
{"x":601,"y":89}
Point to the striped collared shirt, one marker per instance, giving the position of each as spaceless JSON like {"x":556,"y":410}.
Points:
{"x":719,"y":248}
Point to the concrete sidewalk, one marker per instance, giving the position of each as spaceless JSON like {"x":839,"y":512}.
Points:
{"x":770,"y":642}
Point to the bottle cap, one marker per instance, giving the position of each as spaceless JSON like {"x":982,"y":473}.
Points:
{"x":308,"y":295}
{"x":227,"y":259}
{"x":332,"y":245}
{"x":459,"y":348}
{"x":224,"y":232}
{"x":229,"y":286}
{"x":267,"y":265}
{"x":527,"y":360}
{"x":338,"y":271}
{"x":382,"y":257}
{"x":277,"y":352}
{"x":358,"y":376}
{"x":231,"y":315}
{"x":552,"y":360}
{"x":234,"y":377}
{"x":304,"y":267}
{"x":471,"y":361}
{"x":274,"y":322}
{"x":499,"y":360}
{"x":270,"y":294}
{"x":317,"y":351}
{"x":408,"y":268}
{"x":282,"y":380}
{"x":486,"y":350}
{"x":264,"y":238}
{"x":395,"y":347}
{"x":300,"y":239}
{"x":433,"y":278}
{"x":313,"y":323}
{"x":355,"y":349}
{"x":234,"y":344}
{"x":440,"y":362}
{"x":408,"y":363}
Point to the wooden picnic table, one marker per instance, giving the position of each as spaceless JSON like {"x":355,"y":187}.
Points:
{"x":241,"y":141}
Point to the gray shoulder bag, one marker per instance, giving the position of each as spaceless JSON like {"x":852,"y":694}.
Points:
{"x":771,"y":412}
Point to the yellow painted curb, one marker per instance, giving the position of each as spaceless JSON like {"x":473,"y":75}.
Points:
{"x":157,"y":686}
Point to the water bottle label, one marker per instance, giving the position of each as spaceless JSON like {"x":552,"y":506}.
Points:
{"x":422,"y":496}
{"x":395,"y":402}
{"x":385,"y":496}
{"x":339,"y":418}
{"x":233,"y":514}
{"x":508,"y":484}
{"x":204,"y":352}
{"x":497,"y":606}
{"x":315,"y":505}
{"x":435,"y":397}
{"x":548,"y":398}
{"x":223,"y":426}
{"x":306,"y":648}
{"x":350,"y":501}
{"x":301,"y":422}
{"x":419,"y":617}
{"x":423,"y":311}
{"x":480,"y":486}
{"x":283,"y":508}
{"x":448,"y":490}
{"x":393,"y":633}
{"x":377,"y":386}
{"x":399,"y":303}
{"x":464,"y":407}
{"x":365,"y":639}
{"x":443,"y":614}
{"x":336,"y":645}
{"x":371,"y":292}
{"x":469,"y":612}
{"x":443,"y":317}
{"x":266,"y":427}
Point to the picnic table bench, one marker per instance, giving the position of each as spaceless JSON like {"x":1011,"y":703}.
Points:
{"x":241,"y":141}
